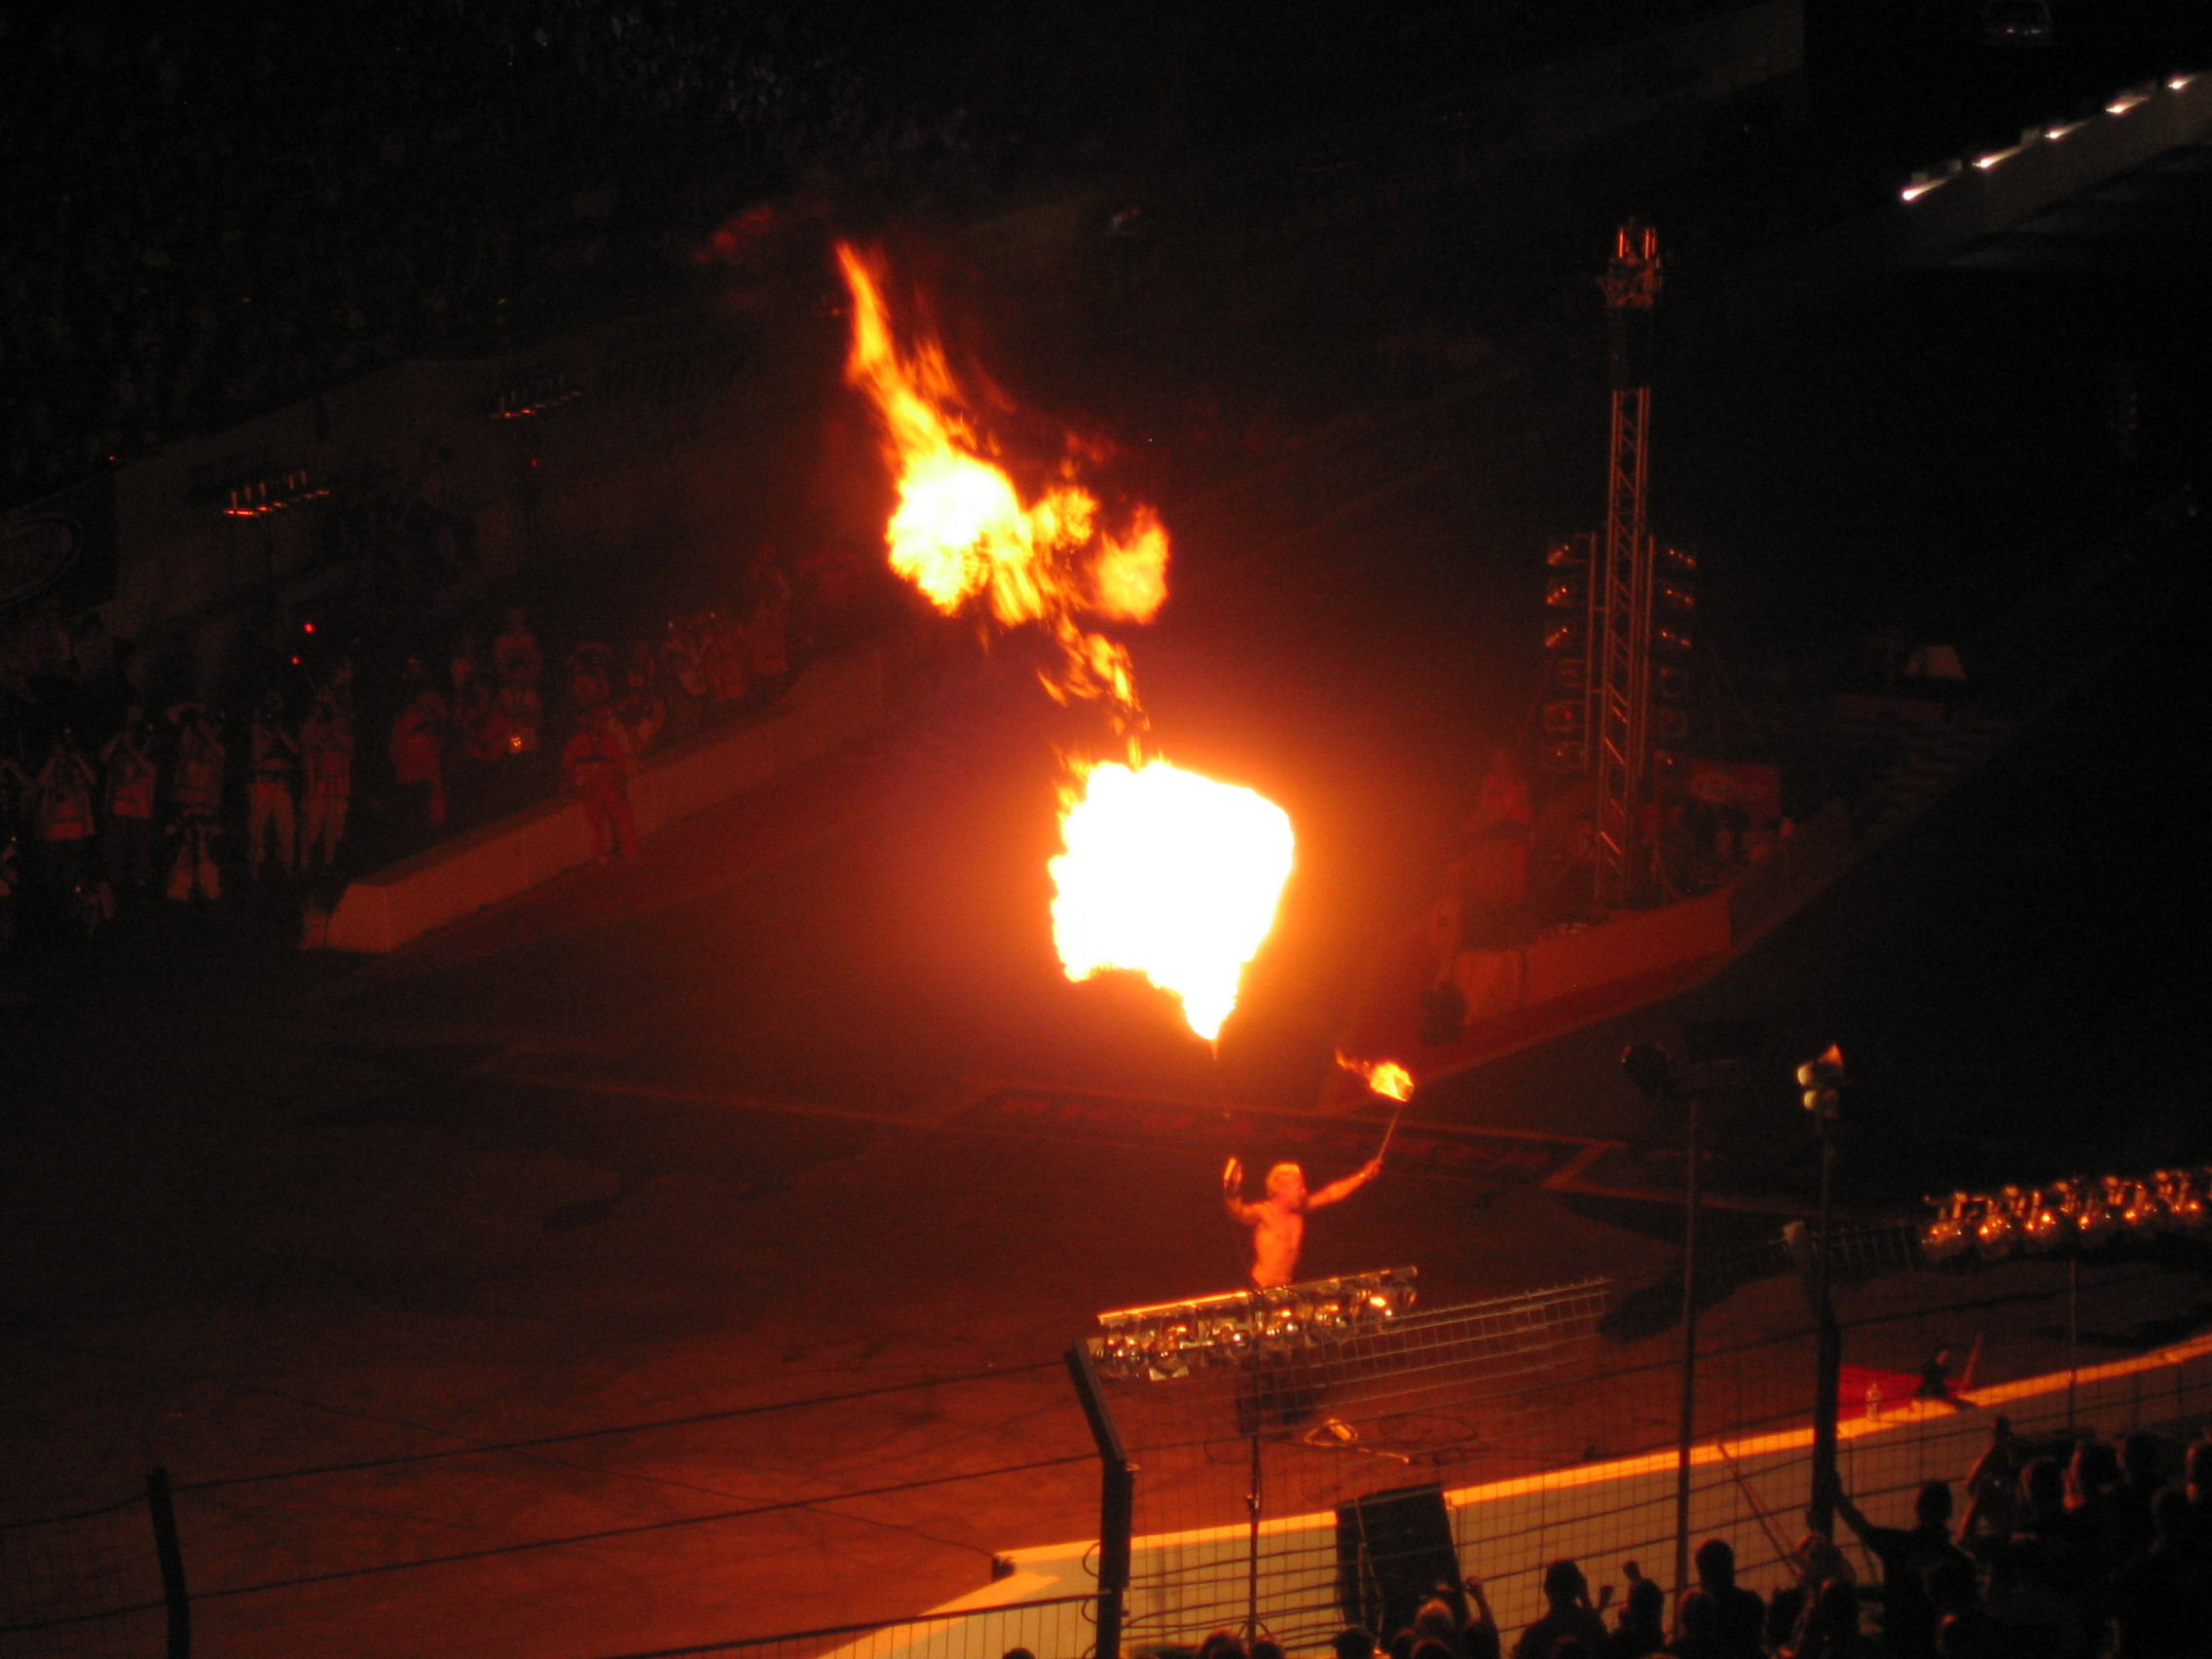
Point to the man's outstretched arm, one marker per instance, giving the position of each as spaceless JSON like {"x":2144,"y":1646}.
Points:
{"x":1349,"y":1185}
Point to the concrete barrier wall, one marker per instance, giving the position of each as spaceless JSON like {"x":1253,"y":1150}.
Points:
{"x":834,"y":702}
{"x":1628,"y":947}
{"x":1638,"y":945}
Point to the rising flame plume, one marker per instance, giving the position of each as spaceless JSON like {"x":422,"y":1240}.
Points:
{"x":962,"y":534}
{"x":1163,"y":872}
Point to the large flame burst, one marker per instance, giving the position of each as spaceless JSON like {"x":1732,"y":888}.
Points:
{"x":1162,"y":872}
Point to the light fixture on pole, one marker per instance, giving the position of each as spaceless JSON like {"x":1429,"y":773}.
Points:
{"x":1821,"y":1080}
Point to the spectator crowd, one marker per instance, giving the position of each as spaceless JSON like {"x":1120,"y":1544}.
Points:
{"x":112,"y":800}
{"x":214,"y":210}
{"x":217,"y":210}
{"x":2069,"y":1548}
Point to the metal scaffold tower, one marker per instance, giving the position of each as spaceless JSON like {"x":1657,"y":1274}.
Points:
{"x":1621,"y":576}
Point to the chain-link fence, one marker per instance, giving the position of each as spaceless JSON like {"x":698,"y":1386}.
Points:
{"x":1297,"y":1492}
{"x":1307,"y":1486}
{"x":94,"y":1582}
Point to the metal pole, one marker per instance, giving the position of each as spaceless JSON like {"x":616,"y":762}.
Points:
{"x":1689,"y":1360}
{"x":1117,"y":1501}
{"x":169,"y":1553}
{"x":2072,"y":1326}
{"x":1252,"y":1539}
{"x":1827,"y":1379}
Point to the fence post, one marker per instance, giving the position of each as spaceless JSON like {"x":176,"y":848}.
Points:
{"x":171,"y":1553}
{"x":1828,"y":1363}
{"x":1117,"y":1500}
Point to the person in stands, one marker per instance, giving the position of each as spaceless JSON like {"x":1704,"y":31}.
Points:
{"x":595,"y":767}
{"x":326,"y":755}
{"x":63,"y":814}
{"x":2197,"y":1465}
{"x":591,"y":676}
{"x":2161,"y":1601}
{"x":1569,"y":1614}
{"x":128,"y":839}
{"x":518,"y":662}
{"x":418,"y":746}
{"x":1743,"y":1615}
{"x":1908,"y":1554}
{"x":1833,"y":1631}
{"x":196,"y":788}
{"x":2132,"y":1522}
{"x":1643,"y":1628}
{"x":270,"y":807}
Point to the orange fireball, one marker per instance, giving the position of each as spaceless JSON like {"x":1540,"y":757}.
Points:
{"x":1169,"y":874}
{"x":1386,"y":1077}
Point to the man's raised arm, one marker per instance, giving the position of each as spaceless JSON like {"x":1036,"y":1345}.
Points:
{"x":1232,"y":1195}
{"x":1349,"y":1185}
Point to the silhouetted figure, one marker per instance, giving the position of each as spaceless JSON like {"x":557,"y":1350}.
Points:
{"x":2198,"y":1464}
{"x":1963,"y":1628}
{"x":1436,"y":1622}
{"x":1992,"y":1486}
{"x":1743,"y":1615}
{"x":1701,"y":1637}
{"x":1568,"y":1595}
{"x":2161,"y":1601}
{"x":1833,"y":1631}
{"x":1907,"y":1555}
{"x":1643,"y":1627}
{"x":2094,"y":1478}
{"x":1819,"y":1563}
{"x":1479,"y":1637}
{"x":2131,"y":1499}
{"x":2052,"y":1546}
{"x":2038,"y":1577}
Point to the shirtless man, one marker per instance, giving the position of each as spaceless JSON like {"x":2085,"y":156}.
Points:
{"x":1278,"y":1221}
